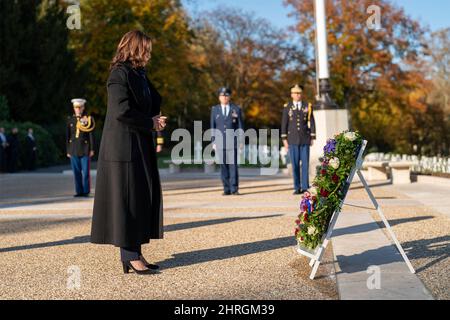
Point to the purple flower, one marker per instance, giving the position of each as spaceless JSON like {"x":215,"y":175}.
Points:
{"x":330,"y":147}
{"x":306,"y":205}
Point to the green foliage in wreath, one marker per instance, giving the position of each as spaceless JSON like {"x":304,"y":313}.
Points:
{"x":329,"y":188}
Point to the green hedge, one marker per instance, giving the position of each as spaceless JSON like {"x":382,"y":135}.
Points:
{"x":47,"y":152}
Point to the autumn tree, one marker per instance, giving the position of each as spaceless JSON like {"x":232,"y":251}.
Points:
{"x":236,"y":49}
{"x":37,"y":71}
{"x":103,"y":25}
{"x":439,"y":97}
{"x":375,"y":73}
{"x":439,"y":68}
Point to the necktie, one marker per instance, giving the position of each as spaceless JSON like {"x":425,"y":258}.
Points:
{"x":225,"y":110}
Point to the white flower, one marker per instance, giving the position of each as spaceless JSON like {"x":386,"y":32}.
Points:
{"x":350,"y":136}
{"x":313,"y":192}
{"x":312,"y":230}
{"x":334,"y":163}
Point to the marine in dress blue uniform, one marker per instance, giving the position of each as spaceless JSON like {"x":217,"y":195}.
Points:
{"x":298,"y":132}
{"x":227,"y":116}
{"x":80,"y":147}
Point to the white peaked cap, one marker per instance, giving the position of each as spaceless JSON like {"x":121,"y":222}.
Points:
{"x":79,"y":102}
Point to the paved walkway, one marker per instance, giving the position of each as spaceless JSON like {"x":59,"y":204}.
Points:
{"x":215,"y":247}
{"x":430,"y":191}
{"x":369,"y":267}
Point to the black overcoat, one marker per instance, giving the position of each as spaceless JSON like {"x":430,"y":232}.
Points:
{"x":128,"y":207}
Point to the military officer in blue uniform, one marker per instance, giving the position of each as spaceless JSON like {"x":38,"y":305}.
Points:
{"x":298,"y":132}
{"x":227,"y":116}
{"x":80,"y":146}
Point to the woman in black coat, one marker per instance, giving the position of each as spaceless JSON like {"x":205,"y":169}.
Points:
{"x":128,"y":207}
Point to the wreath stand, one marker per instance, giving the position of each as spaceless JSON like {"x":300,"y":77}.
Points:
{"x":317,"y":254}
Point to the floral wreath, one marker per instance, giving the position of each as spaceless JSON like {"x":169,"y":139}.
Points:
{"x":329,"y":188}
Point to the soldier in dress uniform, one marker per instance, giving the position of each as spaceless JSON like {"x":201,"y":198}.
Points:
{"x":80,"y":146}
{"x":227,"y":116}
{"x":298,"y":132}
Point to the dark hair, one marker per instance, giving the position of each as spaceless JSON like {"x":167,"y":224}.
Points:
{"x":135,"y":47}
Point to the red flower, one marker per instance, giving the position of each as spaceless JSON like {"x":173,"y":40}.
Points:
{"x":305,"y":217}
{"x":297,"y":221}
{"x":335,"y":178}
{"x":323,"y":172}
{"x":324,"y":193}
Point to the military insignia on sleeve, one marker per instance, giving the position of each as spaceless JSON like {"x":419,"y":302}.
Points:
{"x":291,"y":113}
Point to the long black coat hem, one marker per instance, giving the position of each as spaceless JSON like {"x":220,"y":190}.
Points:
{"x":121,"y":245}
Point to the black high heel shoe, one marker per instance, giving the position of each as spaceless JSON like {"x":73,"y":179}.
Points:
{"x":127,"y":266}
{"x":149,"y":265}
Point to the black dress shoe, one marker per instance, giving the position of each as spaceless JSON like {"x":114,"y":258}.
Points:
{"x":86,"y":195}
{"x":127,"y":266}
{"x":297,"y":192}
{"x":78,"y":195}
{"x":236,"y":193}
{"x":226,"y":193}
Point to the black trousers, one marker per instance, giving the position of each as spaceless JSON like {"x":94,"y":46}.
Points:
{"x":130,"y":254}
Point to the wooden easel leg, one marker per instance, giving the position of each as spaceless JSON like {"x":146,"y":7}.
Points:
{"x":314,"y":270}
{"x":386,"y":223}
{"x":311,"y":263}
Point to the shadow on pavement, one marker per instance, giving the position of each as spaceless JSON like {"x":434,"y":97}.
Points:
{"x":205,"y":223}
{"x":239,"y":250}
{"x":220,"y":189}
{"x":373,"y":226}
{"x":27,"y":225}
{"x":56,"y":200}
{"x":376,"y":185}
{"x":31,"y":225}
{"x":76,"y":240}
{"x":438,"y":248}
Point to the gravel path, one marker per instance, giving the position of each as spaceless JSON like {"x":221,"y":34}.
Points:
{"x":215,"y":247}
{"x":245,"y":253}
